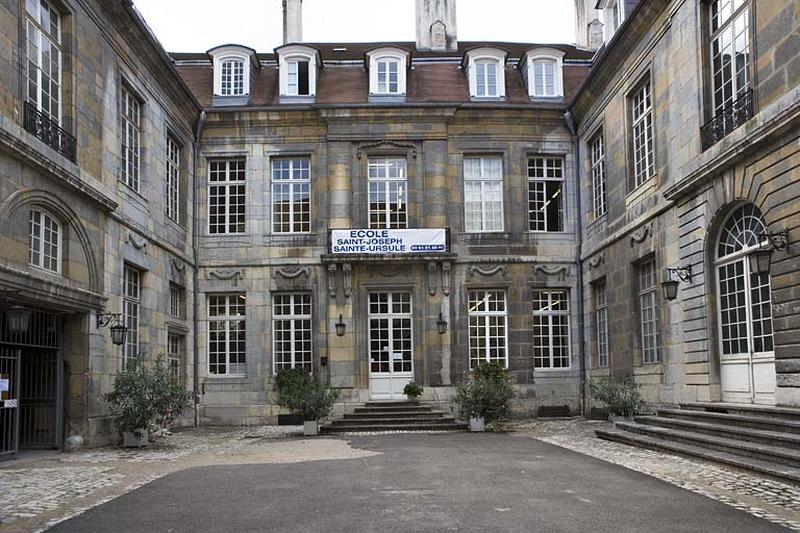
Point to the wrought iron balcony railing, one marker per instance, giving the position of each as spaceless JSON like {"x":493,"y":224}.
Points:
{"x":48,"y":131}
{"x":736,"y":114}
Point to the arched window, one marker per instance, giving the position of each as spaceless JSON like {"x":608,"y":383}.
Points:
{"x":45,"y":241}
{"x":232,"y":77}
{"x":743,"y":231}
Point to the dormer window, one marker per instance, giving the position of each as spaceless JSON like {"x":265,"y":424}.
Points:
{"x":387,"y":72}
{"x":542,"y":70}
{"x":298,"y":69}
{"x":234,"y":68}
{"x":486,"y":71}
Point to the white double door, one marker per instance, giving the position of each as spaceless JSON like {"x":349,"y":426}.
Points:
{"x":747,"y":356}
{"x":391,"y":344}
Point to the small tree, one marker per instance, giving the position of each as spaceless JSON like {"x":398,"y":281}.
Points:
{"x":486,"y":393}
{"x":302,"y":396}
{"x":621,"y":397}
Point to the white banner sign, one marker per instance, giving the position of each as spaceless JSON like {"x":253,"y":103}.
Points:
{"x":388,"y":241}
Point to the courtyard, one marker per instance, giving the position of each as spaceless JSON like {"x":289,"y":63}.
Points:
{"x":270,"y":479}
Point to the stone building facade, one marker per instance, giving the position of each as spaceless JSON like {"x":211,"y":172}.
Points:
{"x":688,"y":152}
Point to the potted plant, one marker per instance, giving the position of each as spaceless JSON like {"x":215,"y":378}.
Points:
{"x":622,"y":398}
{"x":485,"y":396}
{"x":412,"y":391}
{"x":300,"y":394}
{"x":144,"y":397}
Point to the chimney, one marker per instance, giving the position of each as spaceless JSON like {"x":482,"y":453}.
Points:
{"x":587,"y":25}
{"x":436,"y":25}
{"x":292,"y":21}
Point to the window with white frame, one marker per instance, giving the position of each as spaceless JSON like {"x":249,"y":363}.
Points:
{"x":730,"y":51}
{"x":486,"y":73}
{"x":545,"y":78}
{"x":388,"y":76}
{"x":131,"y":117}
{"x":291,"y":195}
{"x":644,"y":166}
{"x":483,"y":194}
{"x":648,"y":312}
{"x":131,"y":303}
{"x":601,"y":323}
{"x":387,"y":71}
{"x":43,"y":50}
{"x":551,"y":329}
{"x":226,"y":196}
{"x":232,"y":77}
{"x":598,"y":160}
{"x":175,"y":355}
{"x":227,"y":335}
{"x":388,"y":193}
{"x":298,"y":81}
{"x":546,"y":194}
{"x":176,"y":301}
{"x":173,"y":179}
{"x":291,"y":331}
{"x":45,"y":241}
{"x":488,"y":327}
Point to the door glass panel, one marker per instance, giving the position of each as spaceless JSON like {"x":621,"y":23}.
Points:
{"x":390,"y":332}
{"x":761,"y":304}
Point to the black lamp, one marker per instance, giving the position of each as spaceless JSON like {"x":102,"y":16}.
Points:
{"x":18,"y":319}
{"x":341,"y":327}
{"x":670,"y":285}
{"x":441,"y":325}
{"x":118,"y":330}
{"x":761,"y":258}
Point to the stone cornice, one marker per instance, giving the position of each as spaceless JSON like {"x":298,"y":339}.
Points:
{"x":20,"y":144}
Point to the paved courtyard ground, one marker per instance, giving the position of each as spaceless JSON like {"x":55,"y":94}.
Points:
{"x":268,"y":479}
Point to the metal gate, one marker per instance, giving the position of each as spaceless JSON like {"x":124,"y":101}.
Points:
{"x":9,"y":403}
{"x":38,"y":396}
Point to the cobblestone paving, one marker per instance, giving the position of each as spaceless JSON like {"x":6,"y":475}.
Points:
{"x":764,"y":497}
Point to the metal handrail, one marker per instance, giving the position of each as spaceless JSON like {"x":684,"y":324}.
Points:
{"x":49,"y":132}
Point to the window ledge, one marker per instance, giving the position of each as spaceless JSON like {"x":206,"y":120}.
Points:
{"x":132,"y":194}
{"x":488,"y":98}
{"x":226,"y":101}
{"x":297,"y":99}
{"x":375,"y":98}
{"x":598,"y":221}
{"x":642,"y":190}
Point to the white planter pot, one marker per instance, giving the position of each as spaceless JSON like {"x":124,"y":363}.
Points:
{"x":620,"y":418}
{"x":477,"y":424}
{"x":310,"y":428}
{"x":137,"y":439}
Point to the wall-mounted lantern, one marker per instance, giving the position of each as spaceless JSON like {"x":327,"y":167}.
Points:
{"x":118,"y":330}
{"x":441,"y":325}
{"x":341,"y":327}
{"x":18,"y":319}
{"x":761,"y":258}
{"x":674,"y":277}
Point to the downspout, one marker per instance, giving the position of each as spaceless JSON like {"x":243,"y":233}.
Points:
{"x":201,"y":120}
{"x":579,"y":245}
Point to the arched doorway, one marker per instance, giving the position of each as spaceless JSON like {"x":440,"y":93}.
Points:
{"x":744,"y":304}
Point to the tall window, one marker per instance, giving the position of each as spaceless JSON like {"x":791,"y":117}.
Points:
{"x":175,"y":355}
{"x":545,"y":81}
{"x":45,"y":241}
{"x":486,"y":78}
{"x":226,"y":196}
{"x":388,"y":76}
{"x":131,"y":113}
{"x":644,"y":166}
{"x":43,"y":53}
{"x":291,"y":195}
{"x":226,"y":335}
{"x":648,"y":312}
{"x":551,"y":329}
{"x":388,"y":193}
{"x":546,"y":194}
{"x":598,"y":155}
{"x":601,"y":323}
{"x":177,"y":299}
{"x":730,"y":51}
{"x":131,"y":301}
{"x":298,"y":83}
{"x":483,"y":194}
{"x":173,"y":177}
{"x":232,"y":81}
{"x":291,"y":331}
{"x":488,"y":325}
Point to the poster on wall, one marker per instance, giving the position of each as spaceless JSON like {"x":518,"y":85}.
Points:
{"x":388,"y":241}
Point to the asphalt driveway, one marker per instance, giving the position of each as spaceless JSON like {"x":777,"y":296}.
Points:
{"x":448,"y":482}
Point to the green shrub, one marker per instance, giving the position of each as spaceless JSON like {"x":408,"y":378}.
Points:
{"x":621,"y":397}
{"x":412,"y":390}
{"x":302,"y":396}
{"x":486,"y":393}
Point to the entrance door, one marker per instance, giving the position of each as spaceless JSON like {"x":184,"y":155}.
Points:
{"x":747,"y":357}
{"x":391,"y":345}
{"x":9,"y":403}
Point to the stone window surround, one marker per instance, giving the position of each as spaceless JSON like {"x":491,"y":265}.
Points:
{"x":488,"y":314}
{"x":39,"y":236}
{"x":293,"y":319}
{"x":504,"y":189}
{"x":206,"y":190}
{"x":414,"y":177}
{"x":272,"y":182}
{"x":561,"y":158}
{"x":127,"y":87}
{"x":551,"y":315}
{"x":643,"y":76}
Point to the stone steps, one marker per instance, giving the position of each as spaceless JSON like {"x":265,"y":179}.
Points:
{"x":765,"y":439}
{"x":393,"y":416}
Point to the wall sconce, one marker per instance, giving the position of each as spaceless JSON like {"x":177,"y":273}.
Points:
{"x":761,"y":258}
{"x":18,"y":319}
{"x":118,"y":330}
{"x":670,"y":285}
{"x":341,"y":327}
{"x":441,"y":325}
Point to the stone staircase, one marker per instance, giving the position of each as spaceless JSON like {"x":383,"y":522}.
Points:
{"x":393,"y":416}
{"x":759,"y":438}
